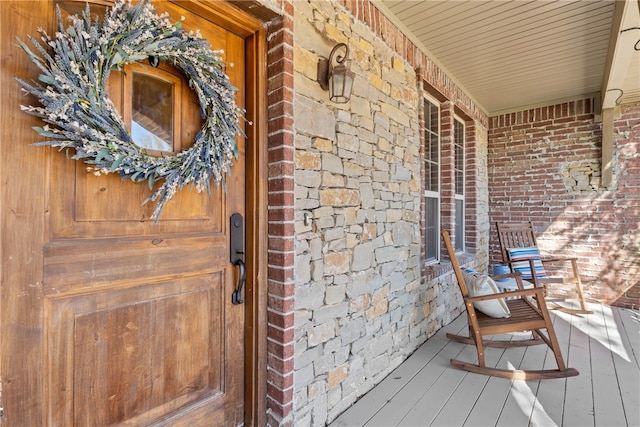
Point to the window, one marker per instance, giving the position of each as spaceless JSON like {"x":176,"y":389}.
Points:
{"x":156,"y":106}
{"x":152,"y":118}
{"x":458,"y":140}
{"x":432,"y":180}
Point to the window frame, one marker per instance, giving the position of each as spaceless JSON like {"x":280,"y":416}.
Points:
{"x":429,"y":195}
{"x":165,"y":73}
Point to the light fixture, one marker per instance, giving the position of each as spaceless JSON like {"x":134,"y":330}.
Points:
{"x":337,"y":79}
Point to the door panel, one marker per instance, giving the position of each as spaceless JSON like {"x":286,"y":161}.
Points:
{"x":107,"y":205}
{"x":132,"y":321}
{"x":107,"y":197}
{"x":122,"y":366}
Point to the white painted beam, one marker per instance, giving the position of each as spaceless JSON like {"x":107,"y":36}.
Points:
{"x":608,"y":115}
{"x":624,"y":36}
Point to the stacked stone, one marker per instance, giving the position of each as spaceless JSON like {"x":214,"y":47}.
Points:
{"x":357,"y":202}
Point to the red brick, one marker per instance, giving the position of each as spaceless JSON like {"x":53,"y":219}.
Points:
{"x":280,"y":320}
{"x":525,"y":184}
{"x":277,"y":303}
{"x":281,"y":275}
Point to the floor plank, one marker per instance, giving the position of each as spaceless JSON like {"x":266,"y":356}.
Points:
{"x":429,"y":405}
{"x":393,"y":412}
{"x":607,"y":401}
{"x":360,"y":413}
{"x":626,"y":365}
{"x":522,"y":396}
{"x":459,"y":405}
{"x":427,"y":391}
{"x":491,"y":402}
{"x":629,"y":322}
{"x":549,"y":405}
{"x":578,"y":400}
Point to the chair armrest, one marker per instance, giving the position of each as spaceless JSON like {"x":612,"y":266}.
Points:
{"x":557,"y":259}
{"x":535,"y":292}
{"x":545,"y":259}
{"x":515,"y":275}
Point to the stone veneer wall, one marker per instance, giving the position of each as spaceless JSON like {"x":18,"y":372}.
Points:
{"x":545,"y":167}
{"x":357,"y":178}
{"x":362,"y":298}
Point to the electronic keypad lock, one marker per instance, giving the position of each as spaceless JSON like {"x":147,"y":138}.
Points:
{"x":236,"y":245}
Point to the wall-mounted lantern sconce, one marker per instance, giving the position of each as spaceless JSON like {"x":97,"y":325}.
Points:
{"x":337,"y":79}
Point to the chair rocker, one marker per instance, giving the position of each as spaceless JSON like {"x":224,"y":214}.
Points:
{"x":528,"y":313}
{"x":514,"y":236}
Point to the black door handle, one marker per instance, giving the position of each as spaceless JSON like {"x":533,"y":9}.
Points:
{"x":236,"y":254}
{"x":236,"y":297}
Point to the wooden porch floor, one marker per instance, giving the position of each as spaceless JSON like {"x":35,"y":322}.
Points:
{"x":426,"y":391}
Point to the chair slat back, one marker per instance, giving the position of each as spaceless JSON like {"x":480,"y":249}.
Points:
{"x":455,"y":264}
{"x":514,"y":236}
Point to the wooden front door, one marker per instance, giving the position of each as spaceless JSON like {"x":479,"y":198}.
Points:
{"x":107,"y":317}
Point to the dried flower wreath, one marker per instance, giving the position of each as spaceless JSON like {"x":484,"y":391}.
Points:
{"x":75,"y":68}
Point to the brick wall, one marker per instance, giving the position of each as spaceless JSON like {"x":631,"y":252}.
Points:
{"x":625,"y":252}
{"x":545,"y":167}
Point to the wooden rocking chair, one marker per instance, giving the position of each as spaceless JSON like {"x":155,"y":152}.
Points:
{"x":516,"y":236}
{"x":528,"y":313}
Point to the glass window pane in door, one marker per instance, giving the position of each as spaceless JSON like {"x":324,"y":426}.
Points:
{"x":152,"y":112}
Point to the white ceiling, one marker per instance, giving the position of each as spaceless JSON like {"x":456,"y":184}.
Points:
{"x":513,"y":55}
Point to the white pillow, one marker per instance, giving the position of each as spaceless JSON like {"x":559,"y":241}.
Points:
{"x":481,"y":284}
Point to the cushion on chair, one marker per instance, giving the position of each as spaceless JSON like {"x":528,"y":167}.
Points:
{"x":523,"y":255}
{"x":481,"y":284}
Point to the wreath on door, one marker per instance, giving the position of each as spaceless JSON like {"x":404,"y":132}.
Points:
{"x":78,"y":114}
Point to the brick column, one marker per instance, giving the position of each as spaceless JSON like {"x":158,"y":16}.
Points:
{"x":472,"y":169}
{"x":280,"y":335}
{"x":447,"y":170}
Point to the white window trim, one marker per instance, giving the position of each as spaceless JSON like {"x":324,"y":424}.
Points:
{"x":435,"y":194}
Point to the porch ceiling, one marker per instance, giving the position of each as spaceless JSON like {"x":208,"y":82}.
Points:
{"x":513,"y":55}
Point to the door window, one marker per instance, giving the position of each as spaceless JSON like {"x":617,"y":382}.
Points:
{"x":152,"y":107}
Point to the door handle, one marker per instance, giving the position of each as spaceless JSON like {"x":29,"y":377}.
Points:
{"x":236,"y":254}
{"x":236,"y":297}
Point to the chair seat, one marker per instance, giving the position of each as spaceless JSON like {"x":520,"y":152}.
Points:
{"x":523,"y":318}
